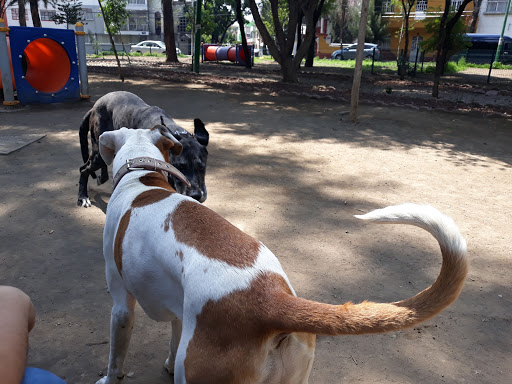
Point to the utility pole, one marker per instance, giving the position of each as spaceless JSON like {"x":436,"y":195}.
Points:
{"x":500,"y":42}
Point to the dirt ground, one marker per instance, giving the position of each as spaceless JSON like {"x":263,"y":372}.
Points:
{"x":292,"y":172}
{"x":465,"y":91}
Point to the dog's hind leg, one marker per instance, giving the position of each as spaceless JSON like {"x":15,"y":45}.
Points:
{"x":83,"y":197}
{"x":121,"y":325}
{"x":94,"y":163}
{"x":173,"y":345}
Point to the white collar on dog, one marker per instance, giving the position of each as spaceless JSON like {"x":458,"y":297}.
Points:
{"x":147,"y":164}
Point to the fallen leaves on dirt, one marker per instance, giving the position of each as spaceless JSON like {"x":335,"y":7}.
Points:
{"x":323,"y":83}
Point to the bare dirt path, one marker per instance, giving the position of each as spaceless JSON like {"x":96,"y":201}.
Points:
{"x":291,"y":172}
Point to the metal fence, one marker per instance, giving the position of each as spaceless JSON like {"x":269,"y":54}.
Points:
{"x":478,"y":66}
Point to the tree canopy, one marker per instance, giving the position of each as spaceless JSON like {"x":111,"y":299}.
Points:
{"x":115,"y":14}
{"x":68,"y":12}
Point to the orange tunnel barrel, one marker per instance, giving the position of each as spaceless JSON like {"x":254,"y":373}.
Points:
{"x":232,"y":54}
{"x":211,"y":53}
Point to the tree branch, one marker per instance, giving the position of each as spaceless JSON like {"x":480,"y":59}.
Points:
{"x":265,"y":35}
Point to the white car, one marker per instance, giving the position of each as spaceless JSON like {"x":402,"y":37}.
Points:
{"x":148,"y":46}
{"x":151,"y":46}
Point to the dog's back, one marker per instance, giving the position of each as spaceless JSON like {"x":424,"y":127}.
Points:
{"x":129,"y":110}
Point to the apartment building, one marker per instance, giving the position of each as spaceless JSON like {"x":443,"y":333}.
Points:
{"x":145,"y":22}
{"x":424,"y":10}
{"x":492,"y":16}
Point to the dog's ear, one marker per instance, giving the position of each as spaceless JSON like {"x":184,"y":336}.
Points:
{"x":108,"y":146}
{"x":169,"y":142}
{"x":200,"y":132}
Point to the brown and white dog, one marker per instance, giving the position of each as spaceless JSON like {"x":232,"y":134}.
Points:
{"x":235,"y":316}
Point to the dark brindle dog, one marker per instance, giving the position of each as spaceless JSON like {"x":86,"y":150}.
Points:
{"x":124,"y":109}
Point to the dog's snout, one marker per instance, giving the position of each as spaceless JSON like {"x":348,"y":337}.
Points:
{"x":197,"y":195}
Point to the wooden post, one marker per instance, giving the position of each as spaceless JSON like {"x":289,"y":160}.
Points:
{"x":354,"y":99}
{"x":5,"y":67}
{"x":82,"y":61}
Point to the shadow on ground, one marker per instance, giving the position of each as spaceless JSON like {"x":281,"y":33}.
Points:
{"x":291,"y":172}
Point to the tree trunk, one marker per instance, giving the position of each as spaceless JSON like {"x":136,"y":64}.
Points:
{"x":170,"y":43}
{"x":310,"y":56}
{"x":22,"y":13}
{"x":474,"y":17}
{"x":221,"y":41}
{"x":281,"y":48}
{"x":241,"y":25}
{"x":440,"y":46}
{"x":107,"y":25}
{"x":126,"y":53}
{"x":344,"y":5}
{"x":445,"y":29}
{"x":402,"y":71}
{"x":289,"y":71}
{"x":354,"y":97}
{"x":299,"y":30}
{"x":34,"y":10}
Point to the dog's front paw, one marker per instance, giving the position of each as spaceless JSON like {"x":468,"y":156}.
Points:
{"x":169,"y":366}
{"x":84,"y":202}
{"x":103,"y":380}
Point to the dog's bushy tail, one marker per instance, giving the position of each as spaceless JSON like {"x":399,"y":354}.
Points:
{"x":83,"y":133}
{"x":299,"y":315}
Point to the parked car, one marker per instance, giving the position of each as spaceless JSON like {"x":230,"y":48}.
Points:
{"x":349,"y":52}
{"x":482,"y":48}
{"x":151,"y":46}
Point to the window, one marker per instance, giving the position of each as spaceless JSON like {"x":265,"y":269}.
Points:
{"x":182,"y":26}
{"x":47,"y":15}
{"x":421,"y":5}
{"x":388,"y":6}
{"x":137,"y":2}
{"x":15,"y":13}
{"x":456,"y":5}
{"x":496,"y":6}
{"x":87,"y":14}
{"x":137,"y":21}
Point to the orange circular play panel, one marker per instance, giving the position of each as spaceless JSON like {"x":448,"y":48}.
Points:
{"x":242,"y":55}
{"x":48,"y":66}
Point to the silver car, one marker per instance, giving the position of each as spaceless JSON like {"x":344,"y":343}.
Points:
{"x":349,"y":52}
{"x":149,"y":46}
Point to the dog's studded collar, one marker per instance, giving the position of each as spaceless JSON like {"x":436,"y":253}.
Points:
{"x":147,"y":164}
